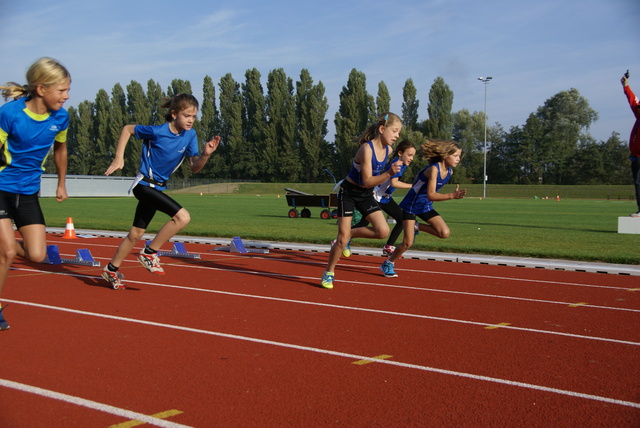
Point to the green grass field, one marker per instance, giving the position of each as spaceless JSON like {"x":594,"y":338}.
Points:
{"x":570,"y":229}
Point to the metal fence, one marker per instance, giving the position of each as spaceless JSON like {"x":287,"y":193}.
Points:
{"x":87,"y":185}
{"x":102,"y":186}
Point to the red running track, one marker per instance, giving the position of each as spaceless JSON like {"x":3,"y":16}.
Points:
{"x":250,"y":340}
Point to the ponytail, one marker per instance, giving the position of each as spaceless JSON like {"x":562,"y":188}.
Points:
{"x":44,"y":72}
{"x":373,"y":131}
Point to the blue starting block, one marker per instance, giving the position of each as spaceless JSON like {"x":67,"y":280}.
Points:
{"x":83,"y":257}
{"x":236,"y":246}
{"x":177,"y":250}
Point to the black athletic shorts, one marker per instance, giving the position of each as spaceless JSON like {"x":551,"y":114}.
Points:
{"x":352,"y":197}
{"x":151,"y":200}
{"x":424,"y":216}
{"x":23,"y":209}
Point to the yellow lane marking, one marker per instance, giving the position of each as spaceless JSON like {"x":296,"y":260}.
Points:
{"x":575,"y":305}
{"x":379,"y":357}
{"x":502,"y":324}
{"x":634,"y":289}
{"x":134,"y":423}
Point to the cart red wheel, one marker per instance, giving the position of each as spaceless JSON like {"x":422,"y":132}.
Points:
{"x":334,"y":214}
{"x":293,"y":213}
{"x":325,"y":214}
{"x":305,"y":213}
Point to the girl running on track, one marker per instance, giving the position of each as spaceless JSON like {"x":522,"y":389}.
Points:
{"x":29,"y":126}
{"x":404,"y":152}
{"x":356,"y":190}
{"x":442,"y":156}
{"x":164,"y":148}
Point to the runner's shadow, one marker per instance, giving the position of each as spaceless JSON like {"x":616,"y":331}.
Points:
{"x":254,"y":273}
{"x":81,"y":273}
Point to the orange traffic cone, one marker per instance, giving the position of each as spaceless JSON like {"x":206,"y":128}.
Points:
{"x":70,"y":231}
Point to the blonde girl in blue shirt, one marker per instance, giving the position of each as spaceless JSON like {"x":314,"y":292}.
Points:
{"x":29,"y":125}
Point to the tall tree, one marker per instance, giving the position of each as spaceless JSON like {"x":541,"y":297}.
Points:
{"x":179,"y":86}
{"x":355,"y":113}
{"x":383,"y":100}
{"x":105,"y":148}
{"x":49,"y":162}
{"x":311,"y":110}
{"x":410,"y":105}
{"x":439,"y":125}
{"x":138,"y":113}
{"x":209,"y":124}
{"x":155,"y":97}
{"x":116,"y":120}
{"x":615,"y":155}
{"x":468,"y":132}
{"x":81,"y":141}
{"x":564,"y":117}
{"x":281,"y":126}
{"x":254,"y":125}
{"x":603,"y":162}
{"x":231,"y":125}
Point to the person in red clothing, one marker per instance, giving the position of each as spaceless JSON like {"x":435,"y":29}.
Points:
{"x":634,"y":139}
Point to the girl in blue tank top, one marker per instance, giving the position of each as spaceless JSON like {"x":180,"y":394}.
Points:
{"x":442,"y":156}
{"x":404,"y":152}
{"x":356,"y":190}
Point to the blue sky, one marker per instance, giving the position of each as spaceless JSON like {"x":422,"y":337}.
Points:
{"x":533,"y":50}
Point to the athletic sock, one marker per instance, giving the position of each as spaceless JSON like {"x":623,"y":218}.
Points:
{"x":112,"y":268}
{"x":148,"y":250}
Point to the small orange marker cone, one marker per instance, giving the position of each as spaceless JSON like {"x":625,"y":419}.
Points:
{"x":70,"y":231}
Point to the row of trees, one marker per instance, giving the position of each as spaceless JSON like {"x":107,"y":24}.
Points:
{"x":281,"y":135}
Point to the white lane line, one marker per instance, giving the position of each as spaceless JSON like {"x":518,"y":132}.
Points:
{"x":352,"y":308}
{"x":433,"y":290}
{"x":94,"y":405}
{"x":352,"y":357}
{"x":376,"y":284}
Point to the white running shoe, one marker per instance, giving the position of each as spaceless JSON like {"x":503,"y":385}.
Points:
{"x":151,"y":262}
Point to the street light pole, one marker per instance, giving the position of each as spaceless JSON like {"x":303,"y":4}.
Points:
{"x":485,"y":81}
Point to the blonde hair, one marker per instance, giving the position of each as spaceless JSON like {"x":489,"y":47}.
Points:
{"x":44,"y":72}
{"x":438,"y":150}
{"x":373,"y":131}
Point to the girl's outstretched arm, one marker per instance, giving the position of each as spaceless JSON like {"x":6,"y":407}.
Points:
{"x":118,"y":160}
{"x":432,"y":175}
{"x":395,"y":182}
{"x":198,"y":162}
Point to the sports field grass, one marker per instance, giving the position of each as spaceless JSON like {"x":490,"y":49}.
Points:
{"x":570,"y":229}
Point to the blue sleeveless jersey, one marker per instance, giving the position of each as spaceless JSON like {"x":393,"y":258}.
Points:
{"x":377,"y":167}
{"x":416,"y":201}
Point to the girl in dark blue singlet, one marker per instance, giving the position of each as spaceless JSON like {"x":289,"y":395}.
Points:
{"x":356,"y":190}
{"x":442,"y":156}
